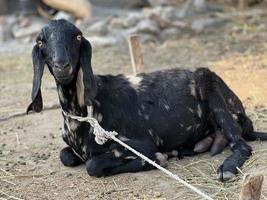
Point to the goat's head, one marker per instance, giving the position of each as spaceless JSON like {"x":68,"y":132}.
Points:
{"x":61,"y":46}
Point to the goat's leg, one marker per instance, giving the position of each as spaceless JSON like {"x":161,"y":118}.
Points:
{"x":210,"y":92}
{"x":120,"y":160}
{"x":69,"y":158}
{"x":107,"y":164}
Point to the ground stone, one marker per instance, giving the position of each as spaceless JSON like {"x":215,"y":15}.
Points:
{"x":201,"y":24}
{"x":132,"y":20}
{"x":169,"y":34}
{"x":98,"y":28}
{"x":148,"y":26}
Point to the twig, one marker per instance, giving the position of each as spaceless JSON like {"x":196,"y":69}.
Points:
{"x":9,"y":196}
{"x":17,"y":139}
{"x":11,"y":183}
{"x":20,"y":114}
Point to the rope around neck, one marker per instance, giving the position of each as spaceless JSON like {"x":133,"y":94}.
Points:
{"x":101,"y":136}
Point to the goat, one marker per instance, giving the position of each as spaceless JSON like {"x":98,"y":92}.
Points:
{"x":171,"y":111}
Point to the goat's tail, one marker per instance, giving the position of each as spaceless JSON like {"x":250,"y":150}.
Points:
{"x":251,"y":136}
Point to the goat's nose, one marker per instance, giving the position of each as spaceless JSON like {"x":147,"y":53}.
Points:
{"x":61,"y":65}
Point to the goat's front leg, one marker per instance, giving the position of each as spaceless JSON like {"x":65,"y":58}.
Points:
{"x":210,"y":92}
{"x":120,"y":160}
{"x":69,"y":158}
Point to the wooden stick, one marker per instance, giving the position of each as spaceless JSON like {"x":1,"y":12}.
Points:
{"x":242,"y":4}
{"x":251,"y":187}
{"x":136,"y":55}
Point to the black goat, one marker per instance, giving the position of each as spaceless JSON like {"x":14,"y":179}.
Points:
{"x":155,"y":113}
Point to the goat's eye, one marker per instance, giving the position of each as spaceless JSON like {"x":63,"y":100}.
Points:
{"x":79,"y":37}
{"x":40,"y":43}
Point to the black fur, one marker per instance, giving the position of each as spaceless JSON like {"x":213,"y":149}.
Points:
{"x":155,"y":113}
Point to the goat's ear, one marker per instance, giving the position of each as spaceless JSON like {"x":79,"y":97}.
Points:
{"x":38,"y":69}
{"x":88,"y":76}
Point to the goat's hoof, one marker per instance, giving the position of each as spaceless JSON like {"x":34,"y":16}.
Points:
{"x":226,"y":173}
{"x":68,"y":157}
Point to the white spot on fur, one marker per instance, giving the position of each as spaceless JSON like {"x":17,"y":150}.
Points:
{"x":231,"y":102}
{"x":143,"y":107}
{"x":134,"y":81}
{"x":98,"y":104}
{"x":167,"y":107}
{"x":146,"y":117}
{"x":199,"y":111}
{"x":80,"y":88}
{"x":159,"y":141}
{"x":191,"y":110}
{"x":99,"y":117}
{"x":234,"y":116}
{"x":189,"y":128}
{"x":181,"y":125}
{"x":139,"y":112}
{"x":84,"y":149}
{"x":192,"y":87}
{"x":124,"y":139}
{"x":130,"y":157}
{"x":73,"y":125}
{"x":150,"y":131}
{"x":143,"y":162}
{"x":116,"y":153}
{"x":161,"y":159}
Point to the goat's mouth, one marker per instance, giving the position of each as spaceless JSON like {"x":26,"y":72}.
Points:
{"x":64,"y":79}
{"x":64,"y":76}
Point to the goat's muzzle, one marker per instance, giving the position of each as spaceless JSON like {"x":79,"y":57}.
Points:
{"x":63,"y":73}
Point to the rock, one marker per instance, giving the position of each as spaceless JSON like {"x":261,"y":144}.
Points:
{"x":185,"y":9}
{"x":98,"y":28}
{"x":116,"y":23}
{"x":161,"y":2}
{"x":6,"y":27}
{"x":148,"y":26}
{"x":102,"y":41}
{"x":132,"y":20}
{"x":201,"y":24}
{"x":145,"y":38}
{"x":169,"y":34}
{"x":168,"y":13}
{"x":19,"y":32}
{"x":79,"y":8}
{"x":200,"y":5}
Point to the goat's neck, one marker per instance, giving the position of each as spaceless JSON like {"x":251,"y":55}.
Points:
{"x":69,"y":99}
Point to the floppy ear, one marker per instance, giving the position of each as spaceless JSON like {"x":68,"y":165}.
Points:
{"x":38,"y":69}
{"x":88,"y":76}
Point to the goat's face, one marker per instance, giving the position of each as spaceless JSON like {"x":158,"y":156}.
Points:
{"x":60,"y":43}
{"x":61,"y":46}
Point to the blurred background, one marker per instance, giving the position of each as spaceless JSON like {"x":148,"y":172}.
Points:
{"x":109,"y":22}
{"x":228,"y":36}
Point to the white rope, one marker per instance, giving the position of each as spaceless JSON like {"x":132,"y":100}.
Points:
{"x":101,"y":136}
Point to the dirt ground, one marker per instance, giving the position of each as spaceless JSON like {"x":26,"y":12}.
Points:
{"x":29,"y":147}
